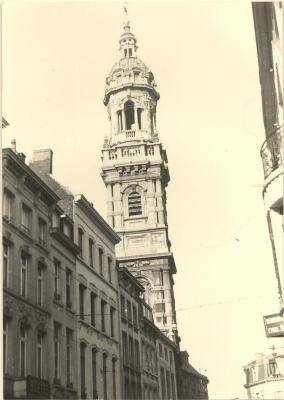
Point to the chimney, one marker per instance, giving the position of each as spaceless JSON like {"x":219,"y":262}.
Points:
{"x":42,"y":161}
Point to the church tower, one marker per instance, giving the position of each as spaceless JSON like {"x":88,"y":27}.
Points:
{"x":135,"y":172}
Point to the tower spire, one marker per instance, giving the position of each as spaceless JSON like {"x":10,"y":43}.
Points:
{"x":127,"y":42}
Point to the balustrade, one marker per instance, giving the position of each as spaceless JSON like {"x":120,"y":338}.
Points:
{"x":271,"y":152}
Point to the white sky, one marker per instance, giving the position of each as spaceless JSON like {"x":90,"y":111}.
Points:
{"x":56,"y":56}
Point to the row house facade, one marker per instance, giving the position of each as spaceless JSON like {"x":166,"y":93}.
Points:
{"x":148,"y":356}
{"x":34,"y":323}
{"x":95,"y":290}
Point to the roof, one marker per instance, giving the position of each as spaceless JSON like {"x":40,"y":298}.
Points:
{"x":87,"y":207}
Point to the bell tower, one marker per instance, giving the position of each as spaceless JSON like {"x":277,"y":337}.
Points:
{"x":135,"y":172}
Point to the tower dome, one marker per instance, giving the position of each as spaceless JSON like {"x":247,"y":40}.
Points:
{"x":129,"y":70}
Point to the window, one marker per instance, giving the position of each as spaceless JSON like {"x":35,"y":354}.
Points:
{"x":82,"y":290}
{"x":168,"y":384}
{"x":39,"y":355}
{"x":173,"y":386}
{"x":162,"y":374}
{"x":160,"y":350}
{"x":134,"y":204}
{"x":114,"y":378}
{"x":105,"y":375}
{"x":125,"y":52}
{"x":124,"y":348}
{"x":129,"y":114}
{"x":130,"y":52}
{"x":91,"y":252}
{"x":69,"y":335}
{"x":137,"y":355}
{"x":109,"y":264}
{"x":159,"y":307}
{"x":26,"y":218}
{"x":23,"y":350}
{"x":101,"y":261}
{"x":24,"y":265}
{"x":5,"y":347}
{"x":40,"y":285}
{"x":103,"y":307}
{"x":56,"y":338}
{"x":80,"y":240}
{"x":171,"y":357}
{"x":94,"y":373}
{"x":120,"y":121}
{"x":8,"y":200}
{"x":166,"y":354}
{"x":129,"y":314}
{"x":68,"y":288}
{"x":55,"y":220}
{"x":68,"y":229}
{"x":42,"y":231}
{"x":57,"y":288}
{"x":83,"y":369}
{"x":131,"y":350}
{"x":123,"y":308}
{"x":6,"y":254}
{"x":112,"y":311}
{"x":139,"y":113}
{"x":134,"y":312}
{"x":93,"y":308}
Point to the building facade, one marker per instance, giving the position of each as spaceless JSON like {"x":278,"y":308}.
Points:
{"x":191,"y":384}
{"x":268,"y":32}
{"x":130,"y":291}
{"x":33,"y":347}
{"x":90,"y":290}
{"x":136,"y":174}
{"x":265,"y":377}
{"x":98,"y":300}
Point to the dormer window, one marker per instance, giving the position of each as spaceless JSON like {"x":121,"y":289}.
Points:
{"x":134,"y":204}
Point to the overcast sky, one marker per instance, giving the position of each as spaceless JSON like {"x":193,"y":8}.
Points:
{"x":56,"y":56}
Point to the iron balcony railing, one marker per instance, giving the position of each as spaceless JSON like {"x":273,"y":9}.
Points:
{"x":271,"y":152}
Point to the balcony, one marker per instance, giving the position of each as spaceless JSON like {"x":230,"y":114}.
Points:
{"x":31,"y":388}
{"x":130,"y":135}
{"x":271,"y":152}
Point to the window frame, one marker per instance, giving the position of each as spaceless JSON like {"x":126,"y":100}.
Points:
{"x":23,"y":349}
{"x":26,"y":212}
{"x":24,"y":269}
{"x":6,"y":262}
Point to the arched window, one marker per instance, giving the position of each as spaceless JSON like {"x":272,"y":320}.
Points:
{"x":134,"y":204}
{"x":129,"y":114}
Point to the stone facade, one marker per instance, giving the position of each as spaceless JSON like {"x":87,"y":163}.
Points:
{"x":98,"y":300}
{"x":135,"y":173}
{"x":268,"y":32}
{"x":30,"y":305}
{"x":265,"y":377}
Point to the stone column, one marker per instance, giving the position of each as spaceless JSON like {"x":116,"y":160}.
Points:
{"x":151,"y":202}
{"x":168,"y":297}
{"x":117,"y":203}
{"x":109,"y":205}
{"x":159,"y":196}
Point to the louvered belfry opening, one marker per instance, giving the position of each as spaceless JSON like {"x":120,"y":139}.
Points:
{"x":134,"y":204}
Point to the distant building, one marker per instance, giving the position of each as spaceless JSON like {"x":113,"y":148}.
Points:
{"x":191,"y":384}
{"x":268,"y":32}
{"x":265,"y":377}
